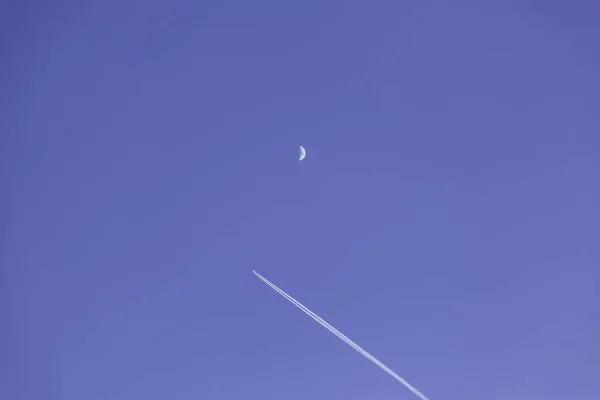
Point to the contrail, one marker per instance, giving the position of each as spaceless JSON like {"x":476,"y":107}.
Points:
{"x":343,"y":337}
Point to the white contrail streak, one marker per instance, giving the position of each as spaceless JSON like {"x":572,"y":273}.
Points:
{"x":343,"y":337}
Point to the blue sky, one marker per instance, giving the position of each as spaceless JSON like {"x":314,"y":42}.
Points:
{"x":445,"y":217}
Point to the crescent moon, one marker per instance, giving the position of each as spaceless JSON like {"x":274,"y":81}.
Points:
{"x":302,"y":153}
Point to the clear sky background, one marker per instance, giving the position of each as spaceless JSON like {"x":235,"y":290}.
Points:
{"x":446,"y":217}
